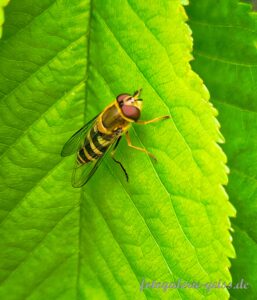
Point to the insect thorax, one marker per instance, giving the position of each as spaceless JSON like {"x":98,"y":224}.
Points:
{"x":112,"y":119}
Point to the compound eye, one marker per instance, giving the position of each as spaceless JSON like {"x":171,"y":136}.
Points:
{"x":131,"y":112}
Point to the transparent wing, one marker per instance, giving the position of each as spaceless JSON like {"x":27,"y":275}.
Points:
{"x":82,"y":173}
{"x":72,"y":145}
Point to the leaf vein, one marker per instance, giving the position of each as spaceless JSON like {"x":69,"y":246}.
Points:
{"x":37,"y":70}
{"x":22,"y":262}
{"x":23,"y":133}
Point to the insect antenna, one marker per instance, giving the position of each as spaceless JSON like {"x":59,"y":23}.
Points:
{"x":138,"y":92}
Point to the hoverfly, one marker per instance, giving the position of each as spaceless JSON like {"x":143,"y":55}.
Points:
{"x":102,"y":134}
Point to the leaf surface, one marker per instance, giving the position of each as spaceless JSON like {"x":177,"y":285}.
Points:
{"x":170,"y":222}
{"x":226,"y":57}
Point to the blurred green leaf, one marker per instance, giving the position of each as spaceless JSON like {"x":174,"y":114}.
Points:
{"x":226,"y":57}
{"x":3,"y":3}
{"x":170,"y":221}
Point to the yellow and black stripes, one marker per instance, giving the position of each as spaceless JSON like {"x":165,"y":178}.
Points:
{"x":95,"y":145}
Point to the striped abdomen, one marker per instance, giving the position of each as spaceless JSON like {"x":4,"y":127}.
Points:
{"x":95,"y":145}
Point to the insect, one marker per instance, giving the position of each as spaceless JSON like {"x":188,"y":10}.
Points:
{"x":102,"y":134}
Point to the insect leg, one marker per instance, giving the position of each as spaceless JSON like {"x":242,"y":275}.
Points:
{"x":138,"y":148}
{"x":118,"y":162}
{"x":153,"y":120}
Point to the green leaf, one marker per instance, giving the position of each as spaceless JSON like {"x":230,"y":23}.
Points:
{"x":170,"y":222}
{"x":226,"y":57}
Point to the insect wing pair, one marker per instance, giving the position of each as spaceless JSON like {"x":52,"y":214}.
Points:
{"x":82,"y":172}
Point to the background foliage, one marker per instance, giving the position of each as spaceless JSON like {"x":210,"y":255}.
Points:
{"x":3,"y":3}
{"x":226,"y":58}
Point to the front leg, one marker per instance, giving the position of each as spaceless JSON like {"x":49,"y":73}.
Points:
{"x":152,"y":121}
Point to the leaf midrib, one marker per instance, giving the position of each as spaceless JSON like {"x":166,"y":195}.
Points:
{"x":81,"y":192}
